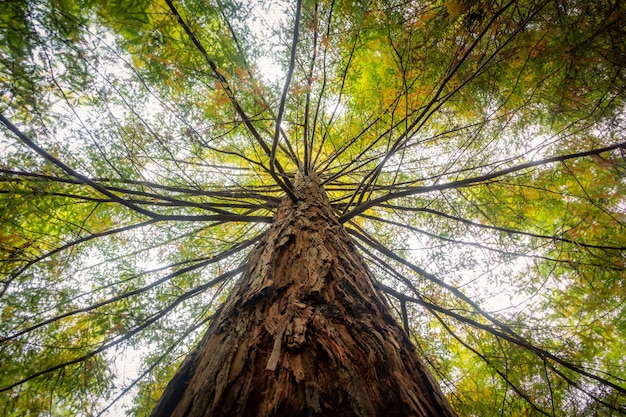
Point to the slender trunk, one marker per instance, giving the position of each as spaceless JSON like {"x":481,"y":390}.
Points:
{"x":304,"y":333}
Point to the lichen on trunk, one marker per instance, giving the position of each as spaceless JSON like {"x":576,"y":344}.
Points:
{"x":304,"y":333}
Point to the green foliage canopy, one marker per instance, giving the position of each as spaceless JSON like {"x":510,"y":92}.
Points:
{"x":474,"y":149}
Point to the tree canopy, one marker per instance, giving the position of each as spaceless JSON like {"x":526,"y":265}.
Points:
{"x":475,"y":150}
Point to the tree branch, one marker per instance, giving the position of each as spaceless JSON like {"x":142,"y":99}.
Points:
{"x":472,"y":181}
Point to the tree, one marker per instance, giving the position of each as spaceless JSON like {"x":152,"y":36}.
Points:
{"x":449,"y":175}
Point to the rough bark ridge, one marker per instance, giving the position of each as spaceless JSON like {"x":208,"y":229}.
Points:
{"x":304,"y":333}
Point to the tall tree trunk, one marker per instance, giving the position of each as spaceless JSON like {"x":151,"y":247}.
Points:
{"x":304,"y":333}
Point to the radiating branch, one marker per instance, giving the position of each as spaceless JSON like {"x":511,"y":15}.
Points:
{"x":285,"y":185}
{"x":168,"y":277}
{"x":283,"y":97}
{"x":187,"y":295}
{"x":409,"y":191}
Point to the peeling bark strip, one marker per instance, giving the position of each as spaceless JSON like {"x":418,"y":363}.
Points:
{"x":304,"y":333}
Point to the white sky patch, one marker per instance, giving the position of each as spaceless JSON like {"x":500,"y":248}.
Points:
{"x":336,"y":107}
{"x":496,"y":283}
{"x":126,"y":365}
{"x":270,"y":70}
{"x":264,"y":25}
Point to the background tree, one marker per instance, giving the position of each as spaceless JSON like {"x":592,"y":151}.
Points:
{"x":473,"y":149}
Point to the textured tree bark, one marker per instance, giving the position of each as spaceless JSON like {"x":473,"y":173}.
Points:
{"x":304,"y":333}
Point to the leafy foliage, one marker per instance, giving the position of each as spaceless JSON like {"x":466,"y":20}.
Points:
{"x":474,"y":149}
